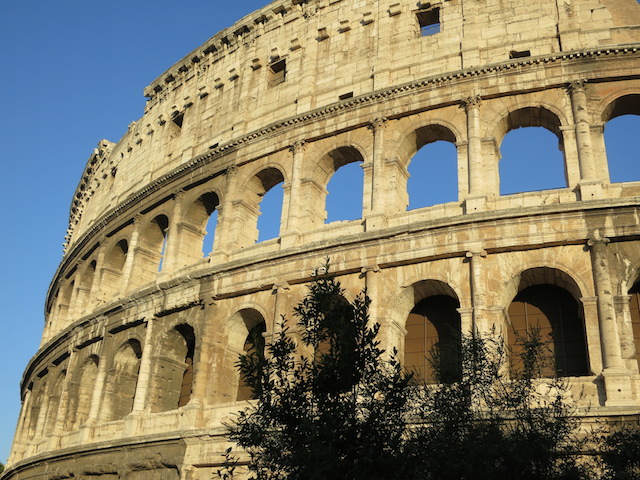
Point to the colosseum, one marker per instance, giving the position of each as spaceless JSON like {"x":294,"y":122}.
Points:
{"x":135,"y":374}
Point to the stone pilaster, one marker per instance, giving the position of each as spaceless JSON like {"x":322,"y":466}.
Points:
{"x":294,"y":221}
{"x":173,"y":239}
{"x":140,"y":401}
{"x":226,"y":238}
{"x":590,"y":184}
{"x":127,"y":269}
{"x":616,"y":376}
{"x":476,"y":199}
{"x":377,"y":194}
{"x":478,"y":294}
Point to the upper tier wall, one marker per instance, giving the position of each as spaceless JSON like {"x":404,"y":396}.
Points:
{"x":228,"y":89}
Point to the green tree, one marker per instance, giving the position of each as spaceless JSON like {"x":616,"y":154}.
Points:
{"x":330,"y":405}
{"x":621,"y":453}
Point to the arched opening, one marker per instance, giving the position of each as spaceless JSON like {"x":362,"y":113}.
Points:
{"x":149,"y":256}
{"x":253,"y":344}
{"x":122,"y":378}
{"x":208,"y":242}
{"x":532,"y":152}
{"x":36,"y":411}
{"x":64,"y":304}
{"x":82,"y":394}
{"x":433,"y":168}
{"x":622,"y":119}
{"x":270,"y":213}
{"x":173,"y":378}
{"x":84,"y":291}
{"x":257,"y":217}
{"x":634,"y":308}
{"x":245,"y":337}
{"x":345,"y":185}
{"x":551,"y":313}
{"x":113,"y":268}
{"x":54,"y":403}
{"x":432,"y":347}
{"x":203,"y":216}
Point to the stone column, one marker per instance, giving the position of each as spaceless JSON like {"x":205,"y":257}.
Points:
{"x":378,"y":194}
{"x":96,"y":395}
{"x":616,"y":376}
{"x":281,"y":308}
{"x":140,"y":400}
{"x":225,"y":238}
{"x":590,"y":184}
{"x":73,"y":309}
{"x":94,"y":295}
{"x":127,"y":269}
{"x":173,"y":242}
{"x":371,"y":274}
{"x":476,"y":199}
{"x":203,"y":366}
{"x":294,"y":221}
{"x":478,"y":295}
{"x":63,"y":405}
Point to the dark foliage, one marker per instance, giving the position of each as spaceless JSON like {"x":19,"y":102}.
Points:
{"x":331,"y":405}
{"x":621,"y":453}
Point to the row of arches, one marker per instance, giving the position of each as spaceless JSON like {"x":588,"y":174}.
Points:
{"x":433,"y":340}
{"x":97,"y":388}
{"x":208,"y":217}
{"x":100,"y":388}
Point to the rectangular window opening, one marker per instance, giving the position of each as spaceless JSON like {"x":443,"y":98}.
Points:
{"x":519,"y":54}
{"x":428,"y":21}
{"x":177,"y":119}
{"x":277,"y":72}
{"x":346,"y":95}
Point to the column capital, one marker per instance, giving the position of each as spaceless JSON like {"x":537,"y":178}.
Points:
{"x":576,"y":86}
{"x":596,"y":238}
{"x":479,"y":252}
{"x":378,"y":124}
{"x":280,"y":287}
{"x":232,"y":170}
{"x":297,"y":147}
{"x":471,"y":101}
{"x":370,"y":268}
{"x":179,"y":194}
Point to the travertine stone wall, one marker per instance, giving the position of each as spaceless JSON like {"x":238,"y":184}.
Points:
{"x":135,"y":375}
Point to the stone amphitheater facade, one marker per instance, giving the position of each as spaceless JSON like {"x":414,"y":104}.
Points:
{"x":135,"y":374}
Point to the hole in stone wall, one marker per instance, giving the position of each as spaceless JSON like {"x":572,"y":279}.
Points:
{"x":277,"y":72}
{"x":177,"y":118}
{"x":428,"y":21}
{"x":519,"y":54}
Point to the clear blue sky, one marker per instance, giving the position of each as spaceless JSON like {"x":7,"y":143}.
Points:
{"x":72,"y":74}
